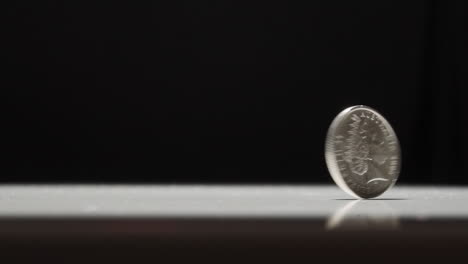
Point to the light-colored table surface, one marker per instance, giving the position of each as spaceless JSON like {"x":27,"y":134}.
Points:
{"x":227,"y":201}
{"x":220,"y":222}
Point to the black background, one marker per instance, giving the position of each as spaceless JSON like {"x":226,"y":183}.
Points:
{"x":226,"y":91}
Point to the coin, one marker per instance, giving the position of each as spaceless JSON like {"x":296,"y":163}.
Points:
{"x":362,"y":152}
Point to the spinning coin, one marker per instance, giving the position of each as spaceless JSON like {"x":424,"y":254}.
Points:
{"x":362,"y":152}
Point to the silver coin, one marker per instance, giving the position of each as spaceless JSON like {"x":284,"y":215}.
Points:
{"x":362,"y":152}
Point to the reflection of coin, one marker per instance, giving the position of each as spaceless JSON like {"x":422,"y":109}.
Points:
{"x":363,"y":215}
{"x":362,"y":152}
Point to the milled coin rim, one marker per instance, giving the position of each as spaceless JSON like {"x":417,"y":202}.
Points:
{"x":330,"y":158}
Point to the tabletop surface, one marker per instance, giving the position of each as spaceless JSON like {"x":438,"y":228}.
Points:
{"x":183,"y":222}
{"x":227,"y":201}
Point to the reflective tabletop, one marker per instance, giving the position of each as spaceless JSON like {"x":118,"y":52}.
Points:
{"x":299,"y":220}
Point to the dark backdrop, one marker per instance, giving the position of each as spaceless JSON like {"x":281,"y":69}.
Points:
{"x":226,"y":91}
